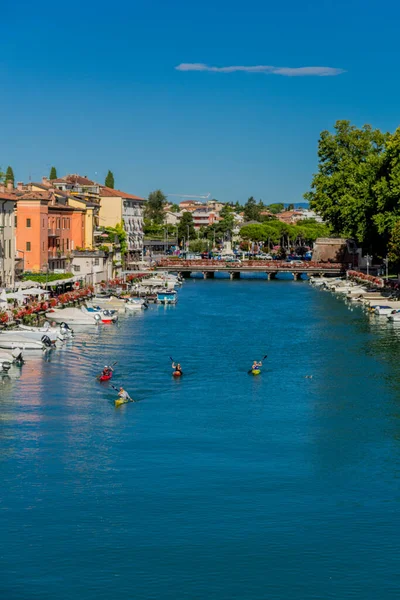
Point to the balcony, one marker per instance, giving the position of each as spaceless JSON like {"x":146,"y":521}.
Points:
{"x":54,"y":232}
{"x":56,"y":254}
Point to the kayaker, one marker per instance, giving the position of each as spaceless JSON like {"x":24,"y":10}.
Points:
{"x":256,"y":365}
{"x":123,"y":394}
{"x":107,"y":371}
{"x":177,"y":368}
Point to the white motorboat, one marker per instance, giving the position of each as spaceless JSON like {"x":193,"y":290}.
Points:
{"x":106,"y":315}
{"x":135,"y":304}
{"x":8,"y":358}
{"x":9,"y":341}
{"x":74,"y":316}
{"x":382,"y":309}
{"x":394,"y":315}
{"x":61,"y":333}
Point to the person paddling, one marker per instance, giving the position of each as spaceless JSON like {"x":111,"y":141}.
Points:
{"x":177,"y":368}
{"x":107,"y":371}
{"x":256,"y":365}
{"x":124,"y":394}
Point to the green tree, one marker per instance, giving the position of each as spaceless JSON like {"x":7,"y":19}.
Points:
{"x":1,"y":176}
{"x":276,"y":207}
{"x":175,"y":208}
{"x":252,"y":210}
{"x":154,"y":208}
{"x":186,"y":226}
{"x":290,"y":206}
{"x":109,"y":181}
{"x":9,"y":176}
{"x":53,"y":173}
{"x":394,"y":246}
{"x":343,"y":190}
{"x":118,"y":235}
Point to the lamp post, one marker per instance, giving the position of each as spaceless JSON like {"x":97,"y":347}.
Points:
{"x":386,"y":261}
{"x":368,"y":257}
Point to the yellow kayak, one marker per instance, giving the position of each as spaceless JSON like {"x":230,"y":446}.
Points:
{"x":120,"y":401}
{"x":255,"y":371}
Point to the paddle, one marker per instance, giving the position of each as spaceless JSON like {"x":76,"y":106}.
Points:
{"x":263,"y":358}
{"x":111,"y":366}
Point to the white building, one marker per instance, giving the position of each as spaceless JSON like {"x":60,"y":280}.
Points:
{"x":92,"y":266}
{"x":172,"y":218}
{"x":7,"y":238}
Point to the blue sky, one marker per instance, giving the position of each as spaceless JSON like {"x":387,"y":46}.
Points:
{"x":89,"y":86}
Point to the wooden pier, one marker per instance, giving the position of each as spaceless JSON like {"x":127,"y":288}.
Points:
{"x":208,"y":268}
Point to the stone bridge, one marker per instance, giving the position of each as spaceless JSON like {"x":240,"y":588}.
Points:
{"x":271,"y":268}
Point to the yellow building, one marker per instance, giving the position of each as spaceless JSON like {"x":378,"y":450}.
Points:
{"x":119,"y":207}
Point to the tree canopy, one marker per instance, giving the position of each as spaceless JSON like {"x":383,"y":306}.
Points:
{"x":9,"y":176}
{"x":357,"y":183}
{"x":186,"y":226}
{"x":252,"y":210}
{"x":109,"y":181}
{"x":53,"y":173}
{"x":275,"y":232}
{"x":154,"y":208}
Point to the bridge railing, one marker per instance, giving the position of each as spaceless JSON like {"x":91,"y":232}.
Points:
{"x":182,"y":264}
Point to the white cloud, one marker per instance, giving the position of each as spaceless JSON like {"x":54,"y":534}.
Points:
{"x":267,"y":69}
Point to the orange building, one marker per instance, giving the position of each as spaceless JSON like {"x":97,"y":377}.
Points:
{"x":47,"y":230}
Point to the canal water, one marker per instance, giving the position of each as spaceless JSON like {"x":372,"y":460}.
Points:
{"x":221,"y":485}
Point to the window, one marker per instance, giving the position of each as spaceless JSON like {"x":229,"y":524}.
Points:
{"x":77,"y":268}
{"x":15,"y":221}
{"x":67,"y":243}
{"x":28,"y":222}
{"x":96,"y":262}
{"x":9,"y":248}
{"x":28,"y":246}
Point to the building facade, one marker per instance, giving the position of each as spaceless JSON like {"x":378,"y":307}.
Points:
{"x":7,"y":239}
{"x":203,"y":217}
{"x":119,"y":207}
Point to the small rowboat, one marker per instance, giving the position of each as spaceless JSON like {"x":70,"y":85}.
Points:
{"x":255,"y":371}
{"x":105,"y":377}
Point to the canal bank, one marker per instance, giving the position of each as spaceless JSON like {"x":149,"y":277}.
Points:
{"x":220,"y":485}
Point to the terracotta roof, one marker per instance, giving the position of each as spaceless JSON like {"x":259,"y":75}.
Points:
{"x":33,"y":195}
{"x":107,"y":192}
{"x":78,"y":179}
{"x":5,"y":196}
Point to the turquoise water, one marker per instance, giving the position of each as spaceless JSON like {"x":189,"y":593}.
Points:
{"x":220,"y":485}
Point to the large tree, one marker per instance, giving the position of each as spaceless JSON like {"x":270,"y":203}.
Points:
{"x":9,"y":176}
{"x":186,"y":227}
{"x":252,"y":210}
{"x":109,"y":182}
{"x":154,"y":208}
{"x":53,"y":173}
{"x":394,"y":246}
{"x":350,"y":161}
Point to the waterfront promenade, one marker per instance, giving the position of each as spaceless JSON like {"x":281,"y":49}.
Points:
{"x":270,"y":267}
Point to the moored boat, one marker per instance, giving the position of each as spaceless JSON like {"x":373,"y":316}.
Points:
{"x":167,"y":297}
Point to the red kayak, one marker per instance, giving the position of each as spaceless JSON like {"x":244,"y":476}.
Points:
{"x":105,"y":377}
{"x":177,"y":373}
